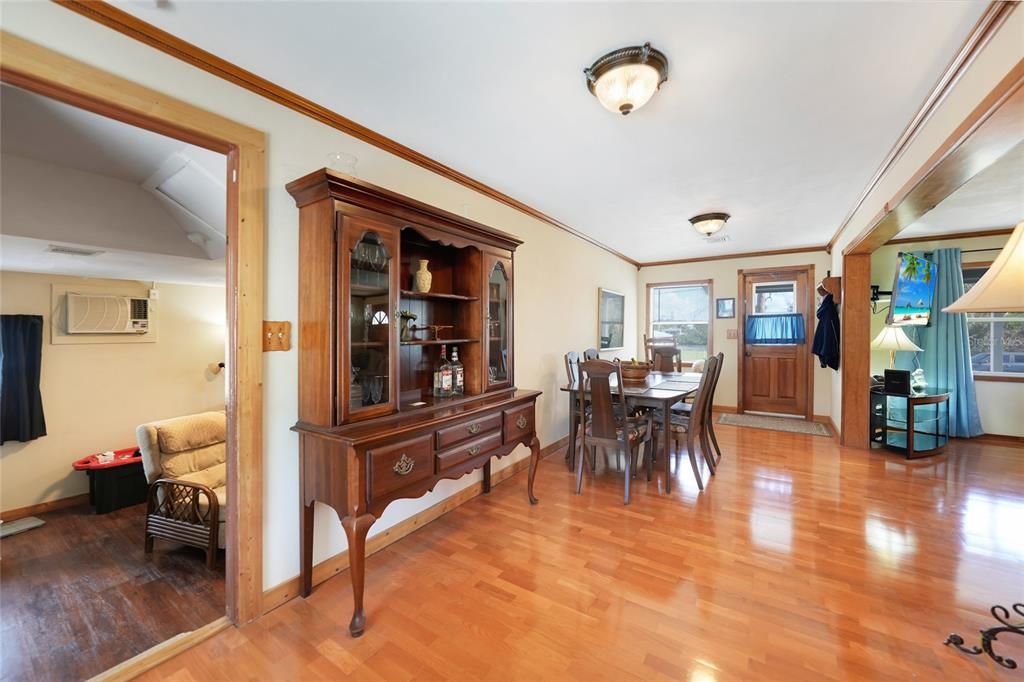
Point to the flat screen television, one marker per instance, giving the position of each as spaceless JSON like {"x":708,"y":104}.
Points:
{"x":913,"y":292}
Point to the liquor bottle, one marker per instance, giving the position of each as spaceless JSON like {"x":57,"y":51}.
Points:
{"x":459,"y":372}
{"x":443,"y":376}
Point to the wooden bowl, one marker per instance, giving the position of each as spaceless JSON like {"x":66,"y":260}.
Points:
{"x":635,"y":375}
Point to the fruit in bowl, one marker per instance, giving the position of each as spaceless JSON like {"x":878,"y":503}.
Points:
{"x":634,"y":372}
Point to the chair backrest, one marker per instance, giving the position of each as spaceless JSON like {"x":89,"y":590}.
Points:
{"x":591,"y":354}
{"x":572,"y":366}
{"x":606,"y":412}
{"x":665,"y":358}
{"x":703,"y":397}
{"x":192,"y":447}
{"x":714,"y":384}
{"x":662,"y":344}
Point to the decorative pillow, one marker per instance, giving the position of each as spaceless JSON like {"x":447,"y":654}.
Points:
{"x":698,"y":366}
{"x":191,"y":432}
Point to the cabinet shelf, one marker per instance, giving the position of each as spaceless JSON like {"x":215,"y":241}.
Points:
{"x":436,"y":296}
{"x":364,"y":290}
{"x":369,"y":344}
{"x":439,"y":342}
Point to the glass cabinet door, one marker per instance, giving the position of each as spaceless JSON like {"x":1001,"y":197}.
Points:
{"x":368,"y":285}
{"x":499,"y":370}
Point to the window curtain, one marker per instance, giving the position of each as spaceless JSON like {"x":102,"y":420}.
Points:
{"x":946,"y":351}
{"x":21,"y":354}
{"x":775,"y":328}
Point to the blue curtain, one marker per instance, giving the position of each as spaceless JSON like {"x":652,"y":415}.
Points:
{"x":775,"y":328}
{"x":946,"y":350}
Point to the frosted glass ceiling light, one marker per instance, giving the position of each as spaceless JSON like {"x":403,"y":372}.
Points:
{"x":626,"y":79}
{"x":709,"y":223}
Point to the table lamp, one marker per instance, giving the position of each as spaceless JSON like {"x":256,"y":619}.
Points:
{"x":1001,"y":289}
{"x":893,"y":339}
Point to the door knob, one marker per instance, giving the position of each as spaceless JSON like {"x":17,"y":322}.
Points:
{"x":748,"y":354}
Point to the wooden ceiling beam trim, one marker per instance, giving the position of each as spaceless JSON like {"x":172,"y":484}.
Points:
{"x":967,"y":234}
{"x":991,"y":130}
{"x":148,"y":34}
{"x":984,"y":30}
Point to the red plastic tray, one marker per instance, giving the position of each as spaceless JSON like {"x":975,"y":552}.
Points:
{"x":121,"y":457}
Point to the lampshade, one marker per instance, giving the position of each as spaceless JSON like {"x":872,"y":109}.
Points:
{"x":709,"y":223}
{"x":1001,"y":289}
{"x":893,"y":339}
{"x":626,"y":79}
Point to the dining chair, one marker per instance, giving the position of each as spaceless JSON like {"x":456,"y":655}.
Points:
{"x":572,"y":374}
{"x":591,"y":354}
{"x":609,"y":426}
{"x":666,"y":358}
{"x":685,"y":408}
{"x":692,"y":425}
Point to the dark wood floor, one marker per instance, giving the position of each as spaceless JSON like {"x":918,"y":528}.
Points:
{"x":79,"y":595}
{"x":802,"y":560}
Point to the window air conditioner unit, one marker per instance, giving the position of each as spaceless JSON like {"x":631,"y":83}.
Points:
{"x":89,"y":314}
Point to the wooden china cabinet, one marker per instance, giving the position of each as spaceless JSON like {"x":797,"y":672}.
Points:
{"x":370,"y":429}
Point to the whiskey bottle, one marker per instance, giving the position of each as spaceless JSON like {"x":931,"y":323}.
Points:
{"x":443,"y":376}
{"x":459,"y":373}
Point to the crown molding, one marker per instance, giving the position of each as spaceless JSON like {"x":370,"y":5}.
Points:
{"x":732,"y":256}
{"x":148,"y":34}
{"x":987,"y":26}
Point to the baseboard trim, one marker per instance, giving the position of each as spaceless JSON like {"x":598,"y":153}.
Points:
{"x":999,"y":439}
{"x":283,"y":592}
{"x":43,"y":507}
{"x":154,"y":656}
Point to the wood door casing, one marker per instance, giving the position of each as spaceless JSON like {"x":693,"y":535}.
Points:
{"x":777,"y":378}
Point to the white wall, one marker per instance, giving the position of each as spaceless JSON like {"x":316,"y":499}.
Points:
{"x":95,"y":394}
{"x":999,"y":403}
{"x":556,"y":277}
{"x":92,"y":209}
{"x":1001,"y":54}
{"x":724,"y":274}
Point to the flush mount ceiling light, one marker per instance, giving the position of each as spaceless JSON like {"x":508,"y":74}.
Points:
{"x":624,"y":80}
{"x":709,"y":223}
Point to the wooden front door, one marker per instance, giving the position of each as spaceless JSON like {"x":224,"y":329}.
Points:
{"x":776,"y":376}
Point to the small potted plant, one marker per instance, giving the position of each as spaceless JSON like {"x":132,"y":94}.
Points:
{"x":407,"y":318}
{"x":634,"y":372}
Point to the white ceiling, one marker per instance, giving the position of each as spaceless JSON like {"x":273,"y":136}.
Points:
{"x":163,"y":203}
{"x":777,"y":113}
{"x":992,"y":199}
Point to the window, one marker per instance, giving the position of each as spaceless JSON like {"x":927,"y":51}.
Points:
{"x":997,"y":339}
{"x":774,"y":298}
{"x":681,"y":311}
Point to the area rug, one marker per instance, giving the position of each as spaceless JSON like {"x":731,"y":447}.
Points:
{"x":756,"y":421}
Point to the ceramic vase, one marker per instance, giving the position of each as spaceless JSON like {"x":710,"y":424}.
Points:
{"x":422,"y":278}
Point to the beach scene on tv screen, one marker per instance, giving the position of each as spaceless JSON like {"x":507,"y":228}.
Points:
{"x":913,"y":291}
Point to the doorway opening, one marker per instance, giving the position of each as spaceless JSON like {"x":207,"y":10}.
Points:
{"x":46,"y":73}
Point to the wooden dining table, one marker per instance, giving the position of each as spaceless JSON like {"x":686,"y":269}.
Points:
{"x":661,"y":390}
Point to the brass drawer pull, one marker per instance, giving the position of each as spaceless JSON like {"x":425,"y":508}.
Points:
{"x":404,"y":465}
{"x":474,"y":451}
{"x":522,"y":421}
{"x":473,"y":428}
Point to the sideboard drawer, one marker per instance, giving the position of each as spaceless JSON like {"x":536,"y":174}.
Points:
{"x":467,"y":451}
{"x":400,"y":464}
{"x":518,"y":422}
{"x":451,"y":435}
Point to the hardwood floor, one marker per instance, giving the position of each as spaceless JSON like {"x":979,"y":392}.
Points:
{"x":801,"y":561}
{"x":79,"y":595}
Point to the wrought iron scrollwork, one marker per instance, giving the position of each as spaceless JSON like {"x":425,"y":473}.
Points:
{"x":1001,"y":614}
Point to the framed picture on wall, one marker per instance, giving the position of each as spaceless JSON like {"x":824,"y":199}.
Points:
{"x":725,"y":308}
{"x":611,"y":319}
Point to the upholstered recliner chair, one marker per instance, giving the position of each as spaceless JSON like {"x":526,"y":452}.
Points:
{"x":185,"y":460}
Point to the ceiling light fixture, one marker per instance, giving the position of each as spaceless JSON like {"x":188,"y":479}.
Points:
{"x":709,"y":223}
{"x":624,"y":80}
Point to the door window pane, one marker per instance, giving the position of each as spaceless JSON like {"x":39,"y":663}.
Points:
{"x":497,"y":322}
{"x":774,"y":298}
